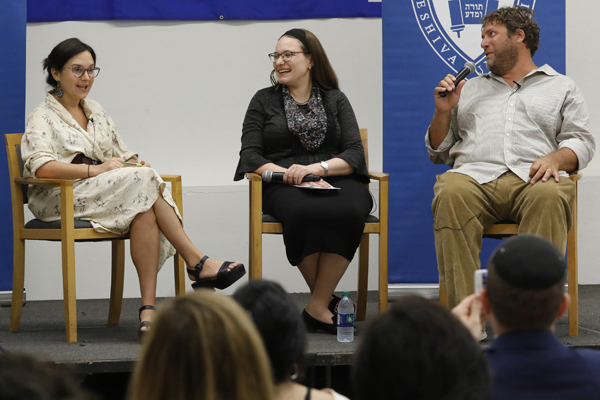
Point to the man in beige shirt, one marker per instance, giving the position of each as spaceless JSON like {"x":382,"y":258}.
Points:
{"x":512,"y":139}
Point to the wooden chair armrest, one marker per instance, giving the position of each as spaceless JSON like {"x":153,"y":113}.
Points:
{"x":379,"y":176}
{"x":176,"y":190}
{"x":44,"y":182}
{"x":575,"y":175}
{"x":251,"y":176}
{"x":171,"y":178}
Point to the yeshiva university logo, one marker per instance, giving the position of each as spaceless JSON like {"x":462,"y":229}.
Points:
{"x":453,"y":28}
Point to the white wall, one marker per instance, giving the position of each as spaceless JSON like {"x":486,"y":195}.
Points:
{"x":582,"y":62}
{"x":178,"y":92}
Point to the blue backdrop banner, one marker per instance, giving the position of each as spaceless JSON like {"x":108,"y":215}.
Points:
{"x":12,"y":115}
{"x":423,"y":41}
{"x":190,"y":10}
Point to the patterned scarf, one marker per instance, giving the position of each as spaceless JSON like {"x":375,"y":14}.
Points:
{"x":310,"y":128}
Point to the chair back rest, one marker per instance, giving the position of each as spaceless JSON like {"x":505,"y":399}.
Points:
{"x":364,"y":138}
{"x":15,"y":166}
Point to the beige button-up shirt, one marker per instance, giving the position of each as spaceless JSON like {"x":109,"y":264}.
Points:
{"x":496,"y":128}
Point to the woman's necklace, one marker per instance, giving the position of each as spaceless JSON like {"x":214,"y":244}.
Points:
{"x":301,"y":103}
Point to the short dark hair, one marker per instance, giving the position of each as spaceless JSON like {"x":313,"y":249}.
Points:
{"x":517,"y":17}
{"x":418,"y":350}
{"x":25,"y":377}
{"x":516,"y":308}
{"x":322,"y":72}
{"x":279,"y":323}
{"x":61,"y":53}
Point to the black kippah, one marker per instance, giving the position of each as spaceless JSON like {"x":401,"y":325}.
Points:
{"x":298,"y":34}
{"x":528,"y":262}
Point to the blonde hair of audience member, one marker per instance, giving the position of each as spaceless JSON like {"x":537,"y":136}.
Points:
{"x":202,"y":346}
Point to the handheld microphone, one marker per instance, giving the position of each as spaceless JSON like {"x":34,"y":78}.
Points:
{"x":462,"y":74}
{"x":270,"y":176}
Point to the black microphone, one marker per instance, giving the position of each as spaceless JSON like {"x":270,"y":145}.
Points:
{"x":518,"y":85}
{"x":462,"y":74}
{"x":270,"y":176}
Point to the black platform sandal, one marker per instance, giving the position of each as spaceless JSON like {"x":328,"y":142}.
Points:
{"x":144,"y":324}
{"x":224,"y":278}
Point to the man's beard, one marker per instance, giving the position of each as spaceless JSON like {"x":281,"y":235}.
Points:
{"x":505,"y":58}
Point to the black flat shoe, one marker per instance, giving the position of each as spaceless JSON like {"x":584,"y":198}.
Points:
{"x":314,"y":325}
{"x":224,"y":278}
{"x":144,"y":324}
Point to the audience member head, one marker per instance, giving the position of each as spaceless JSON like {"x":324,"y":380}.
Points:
{"x":23,"y":377}
{"x":202,"y":346}
{"x":525,"y":285}
{"x":279,"y":323}
{"x":321,"y":71}
{"x":61,"y":53}
{"x":517,"y":17}
{"x":418,"y":350}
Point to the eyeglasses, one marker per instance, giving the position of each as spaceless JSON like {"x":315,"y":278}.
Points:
{"x":286,"y":55}
{"x":78,"y":71}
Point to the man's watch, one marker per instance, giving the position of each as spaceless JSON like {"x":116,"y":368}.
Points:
{"x":325,"y":166}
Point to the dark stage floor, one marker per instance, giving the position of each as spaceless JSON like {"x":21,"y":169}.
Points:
{"x":103,"y":349}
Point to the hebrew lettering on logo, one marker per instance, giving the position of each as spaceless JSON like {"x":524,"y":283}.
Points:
{"x":463,"y":13}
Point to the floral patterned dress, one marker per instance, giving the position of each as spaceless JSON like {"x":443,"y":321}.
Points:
{"x":110,"y":200}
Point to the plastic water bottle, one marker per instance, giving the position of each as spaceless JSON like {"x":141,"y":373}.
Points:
{"x":345,"y":330}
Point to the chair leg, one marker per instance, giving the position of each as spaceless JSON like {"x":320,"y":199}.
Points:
{"x":68,"y":259}
{"x":116,"y":281}
{"x":68,"y":266}
{"x":574,"y":305}
{"x":255,"y":268}
{"x":363,"y":277}
{"x":255,"y":230}
{"x":18,"y":284}
{"x":443,"y":297}
{"x":573,"y":278}
{"x":179,"y":265}
{"x":383,"y":269}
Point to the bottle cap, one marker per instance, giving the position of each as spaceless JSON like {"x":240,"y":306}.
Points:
{"x":345,"y":293}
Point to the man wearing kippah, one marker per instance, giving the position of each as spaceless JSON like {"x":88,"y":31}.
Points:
{"x":524,"y":297}
{"x":511,"y":137}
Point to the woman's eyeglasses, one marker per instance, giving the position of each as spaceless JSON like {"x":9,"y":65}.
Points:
{"x":286,"y":55}
{"x":78,"y":71}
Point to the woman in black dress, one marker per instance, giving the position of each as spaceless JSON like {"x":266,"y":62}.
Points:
{"x":301,"y":125}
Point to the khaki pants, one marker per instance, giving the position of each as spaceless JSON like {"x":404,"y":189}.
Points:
{"x":463,"y":209}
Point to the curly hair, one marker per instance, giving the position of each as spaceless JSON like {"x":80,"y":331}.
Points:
{"x":517,"y":17}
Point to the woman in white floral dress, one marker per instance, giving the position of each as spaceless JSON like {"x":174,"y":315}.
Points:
{"x":69,"y":137}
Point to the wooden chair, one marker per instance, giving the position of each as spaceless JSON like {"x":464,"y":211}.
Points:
{"x":68,"y":231}
{"x":506,"y":229}
{"x":262,"y":223}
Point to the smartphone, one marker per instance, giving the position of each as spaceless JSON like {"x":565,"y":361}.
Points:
{"x":480,"y":280}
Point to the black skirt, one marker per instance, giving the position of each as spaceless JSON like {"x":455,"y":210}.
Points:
{"x":319,"y":221}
